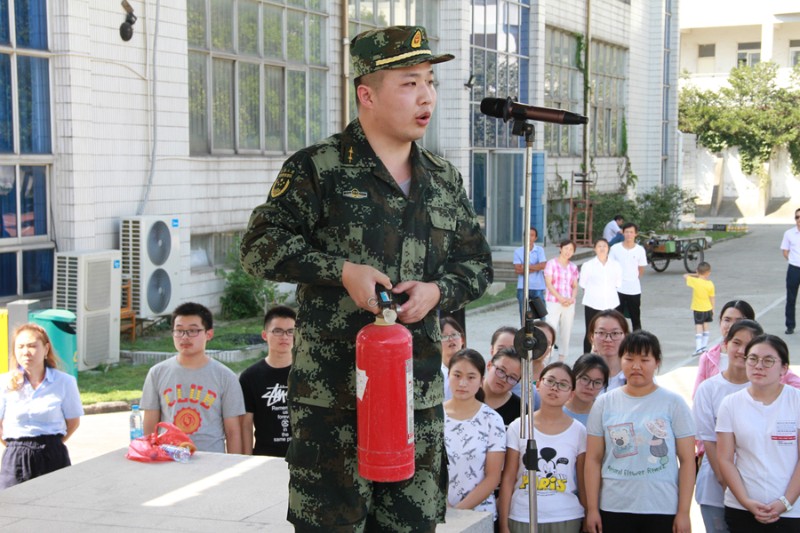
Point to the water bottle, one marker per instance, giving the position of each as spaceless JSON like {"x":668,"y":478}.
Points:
{"x":179,"y":454}
{"x":137,"y":428}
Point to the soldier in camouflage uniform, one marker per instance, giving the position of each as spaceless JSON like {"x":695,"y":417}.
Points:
{"x":365,"y":207}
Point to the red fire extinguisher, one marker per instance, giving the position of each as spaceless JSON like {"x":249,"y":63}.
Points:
{"x":385,"y":398}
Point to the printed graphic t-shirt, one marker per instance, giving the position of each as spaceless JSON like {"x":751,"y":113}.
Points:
{"x":640,"y":468}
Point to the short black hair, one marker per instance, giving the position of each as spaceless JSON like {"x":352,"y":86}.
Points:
{"x":279,"y":311}
{"x":641,"y":342}
{"x":587,"y":362}
{"x":619,"y":217}
{"x":630,"y":225}
{"x":194,"y":309}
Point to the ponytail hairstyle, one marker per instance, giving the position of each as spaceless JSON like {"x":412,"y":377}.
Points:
{"x":475,"y":359}
{"x":50,"y":361}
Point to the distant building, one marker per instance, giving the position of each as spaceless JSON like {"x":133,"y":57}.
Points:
{"x":194,"y":115}
{"x":717,"y":36}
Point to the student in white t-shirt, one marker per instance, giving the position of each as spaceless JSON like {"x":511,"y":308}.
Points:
{"x":640,"y":468}
{"x":561,"y":443}
{"x":474,"y":437}
{"x":709,"y":491}
{"x":757,"y":443}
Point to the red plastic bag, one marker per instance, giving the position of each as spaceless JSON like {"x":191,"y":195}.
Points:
{"x":147,"y":449}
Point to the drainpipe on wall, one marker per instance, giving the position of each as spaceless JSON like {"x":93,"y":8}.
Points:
{"x":587,"y":90}
{"x":345,"y":68}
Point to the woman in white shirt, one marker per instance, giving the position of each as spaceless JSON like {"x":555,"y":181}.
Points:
{"x":710,"y":490}
{"x":600,"y":278}
{"x":757,"y":441}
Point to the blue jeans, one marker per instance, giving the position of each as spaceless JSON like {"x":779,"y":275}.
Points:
{"x":714,"y":519}
{"x":532,"y":293}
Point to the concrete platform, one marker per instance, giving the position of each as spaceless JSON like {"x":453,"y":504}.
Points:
{"x":211,"y":493}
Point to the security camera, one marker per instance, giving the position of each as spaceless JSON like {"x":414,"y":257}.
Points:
{"x":126,"y":28}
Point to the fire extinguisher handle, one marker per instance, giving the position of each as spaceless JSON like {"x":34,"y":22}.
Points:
{"x":384,"y":297}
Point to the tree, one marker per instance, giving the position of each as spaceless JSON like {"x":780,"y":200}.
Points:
{"x":752,"y":114}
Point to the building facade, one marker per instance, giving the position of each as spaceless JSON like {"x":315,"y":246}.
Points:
{"x":193,"y":116}
{"x":716,"y":37}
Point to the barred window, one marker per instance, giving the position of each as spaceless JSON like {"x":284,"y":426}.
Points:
{"x":257,"y":75}
{"x":563,"y":89}
{"x":608,"y":98}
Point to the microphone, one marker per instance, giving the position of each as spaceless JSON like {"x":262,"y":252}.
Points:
{"x":508,"y":108}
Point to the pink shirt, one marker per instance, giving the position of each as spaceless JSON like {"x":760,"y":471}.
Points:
{"x":563,"y":279}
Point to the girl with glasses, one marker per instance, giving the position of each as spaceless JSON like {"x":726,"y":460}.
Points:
{"x":591,"y":377}
{"x":716,"y":360}
{"x":453,"y":340}
{"x":757,"y":440}
{"x":562,"y":446}
{"x":640,"y":468}
{"x":707,"y":400}
{"x":607,"y":330}
{"x":474,"y":437}
{"x":503,"y":372}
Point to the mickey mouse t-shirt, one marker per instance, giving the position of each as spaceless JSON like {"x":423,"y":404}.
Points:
{"x":640,"y":468}
{"x":557,"y":484}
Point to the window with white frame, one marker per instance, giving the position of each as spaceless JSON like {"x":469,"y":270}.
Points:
{"x":26,"y":249}
{"x":608,"y":98}
{"x":748,"y":54}
{"x":499,"y":64}
{"x":794,"y":52}
{"x":257,"y":75}
{"x":563,"y":89}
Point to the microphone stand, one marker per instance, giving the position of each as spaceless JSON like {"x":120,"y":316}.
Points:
{"x":521,"y":127}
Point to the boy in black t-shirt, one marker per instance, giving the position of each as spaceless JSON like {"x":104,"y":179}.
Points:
{"x":264,"y":388}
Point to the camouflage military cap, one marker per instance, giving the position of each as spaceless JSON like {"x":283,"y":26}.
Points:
{"x":392,"y":47}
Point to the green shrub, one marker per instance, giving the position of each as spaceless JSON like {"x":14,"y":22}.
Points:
{"x":245,"y":295}
{"x":656,"y":210}
{"x":661,"y":208}
{"x":607,"y":206}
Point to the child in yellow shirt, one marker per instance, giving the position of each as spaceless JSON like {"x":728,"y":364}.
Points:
{"x":702,"y":304}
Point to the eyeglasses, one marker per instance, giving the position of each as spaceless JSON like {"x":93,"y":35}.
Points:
{"x":563,"y":386}
{"x":591,"y":383}
{"x":614,"y":335}
{"x":278,"y":332}
{"x":766,"y":361}
{"x":451,"y":337}
{"x":502,"y":374}
{"x":178,"y":333}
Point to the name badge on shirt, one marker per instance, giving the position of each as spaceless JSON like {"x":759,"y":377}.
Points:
{"x":785,"y":433}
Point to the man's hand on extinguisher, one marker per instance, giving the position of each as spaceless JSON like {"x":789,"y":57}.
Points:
{"x":422,"y":297}
{"x":359,"y":281}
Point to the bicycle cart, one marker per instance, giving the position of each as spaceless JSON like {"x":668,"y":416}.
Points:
{"x":661,"y":249}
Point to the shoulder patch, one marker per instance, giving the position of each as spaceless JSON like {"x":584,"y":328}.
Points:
{"x":435,"y":159}
{"x":281,"y":184}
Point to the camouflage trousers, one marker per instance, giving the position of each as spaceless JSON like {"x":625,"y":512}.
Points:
{"x":326,"y":494}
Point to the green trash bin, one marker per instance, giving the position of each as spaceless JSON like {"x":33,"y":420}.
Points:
{"x":58,"y":323}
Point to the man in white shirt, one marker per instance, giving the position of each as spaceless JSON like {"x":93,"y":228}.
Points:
{"x":791,"y":252}
{"x":632,"y":258}
{"x":613,"y":232}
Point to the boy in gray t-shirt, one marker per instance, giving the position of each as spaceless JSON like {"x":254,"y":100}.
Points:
{"x":199,"y":395}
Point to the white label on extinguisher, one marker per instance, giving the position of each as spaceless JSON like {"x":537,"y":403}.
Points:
{"x":361,"y":383}
{"x":410,"y":399}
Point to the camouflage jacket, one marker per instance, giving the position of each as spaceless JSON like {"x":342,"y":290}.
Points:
{"x":335,"y":201}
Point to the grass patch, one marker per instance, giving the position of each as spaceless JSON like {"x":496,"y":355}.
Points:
{"x":124,"y":381}
{"x":229,"y":335}
{"x":508,"y":293}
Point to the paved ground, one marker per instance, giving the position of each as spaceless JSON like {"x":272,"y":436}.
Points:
{"x":750,"y":268}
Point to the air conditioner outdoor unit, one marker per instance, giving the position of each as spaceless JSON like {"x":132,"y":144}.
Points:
{"x":151,"y":257}
{"x":88,"y":283}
